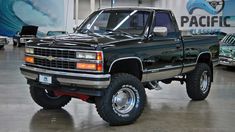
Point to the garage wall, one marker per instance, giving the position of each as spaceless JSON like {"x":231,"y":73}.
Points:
{"x":47,"y":14}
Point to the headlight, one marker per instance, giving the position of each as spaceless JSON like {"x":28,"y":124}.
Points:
{"x":29,"y":50}
{"x":85,"y":55}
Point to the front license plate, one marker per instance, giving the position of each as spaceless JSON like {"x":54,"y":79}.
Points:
{"x":45,"y":79}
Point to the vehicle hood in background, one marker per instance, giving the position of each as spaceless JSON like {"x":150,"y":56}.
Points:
{"x":29,"y":30}
{"x":228,"y":51}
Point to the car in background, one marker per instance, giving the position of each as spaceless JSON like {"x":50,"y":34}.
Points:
{"x":55,"y":33}
{"x":27,"y":33}
{"x":220,"y":35}
{"x":3,"y":41}
{"x":227,"y":50}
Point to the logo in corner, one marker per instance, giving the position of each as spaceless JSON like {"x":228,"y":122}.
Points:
{"x":211,"y":6}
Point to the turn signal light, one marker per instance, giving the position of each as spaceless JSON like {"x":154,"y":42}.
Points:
{"x":90,"y":66}
{"x":29,"y":59}
{"x":86,"y":66}
{"x":99,"y":67}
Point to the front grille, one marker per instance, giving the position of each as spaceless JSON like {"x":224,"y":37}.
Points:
{"x":55,"y":63}
{"x":62,"y":63}
{"x":55,"y":53}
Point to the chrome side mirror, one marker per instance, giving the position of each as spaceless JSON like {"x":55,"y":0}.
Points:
{"x":160,"y":31}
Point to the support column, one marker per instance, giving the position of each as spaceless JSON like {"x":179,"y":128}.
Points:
{"x":92,"y":5}
{"x":76,"y":12}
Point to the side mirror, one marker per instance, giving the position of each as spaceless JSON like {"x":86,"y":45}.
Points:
{"x":160,"y":31}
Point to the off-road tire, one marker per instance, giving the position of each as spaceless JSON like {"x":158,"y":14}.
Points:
{"x":40,"y":96}
{"x":105,"y":105}
{"x":193,"y":80}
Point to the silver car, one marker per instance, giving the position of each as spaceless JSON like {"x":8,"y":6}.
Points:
{"x":3,"y":41}
{"x":227,"y":50}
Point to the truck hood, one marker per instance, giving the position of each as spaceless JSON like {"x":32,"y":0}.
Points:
{"x":73,"y":40}
{"x":29,"y":30}
{"x":228,"y":51}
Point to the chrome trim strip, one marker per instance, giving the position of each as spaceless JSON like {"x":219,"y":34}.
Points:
{"x":126,"y":58}
{"x":92,"y":51}
{"x":65,"y":73}
{"x":162,"y":69}
{"x":188,"y":69}
{"x":161,"y":75}
{"x":79,"y":82}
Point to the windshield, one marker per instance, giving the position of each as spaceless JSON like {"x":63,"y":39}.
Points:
{"x":55,"y":33}
{"x":128,"y":22}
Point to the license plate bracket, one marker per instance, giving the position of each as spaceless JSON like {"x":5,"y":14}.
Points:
{"x":45,"y":79}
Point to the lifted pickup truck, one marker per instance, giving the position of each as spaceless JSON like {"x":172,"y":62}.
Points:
{"x":113,"y":56}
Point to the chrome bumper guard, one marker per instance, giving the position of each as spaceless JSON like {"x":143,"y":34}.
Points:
{"x":227,"y":61}
{"x":97,"y":81}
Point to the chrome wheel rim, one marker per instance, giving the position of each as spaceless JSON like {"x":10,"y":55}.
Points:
{"x":124,"y":100}
{"x":204,"y":82}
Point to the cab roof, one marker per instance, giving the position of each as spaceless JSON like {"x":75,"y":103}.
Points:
{"x":136,"y":8}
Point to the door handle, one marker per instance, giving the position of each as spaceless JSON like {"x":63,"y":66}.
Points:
{"x":178,"y":46}
{"x":177,"y":40}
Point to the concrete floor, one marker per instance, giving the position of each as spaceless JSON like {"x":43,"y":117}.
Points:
{"x":168,"y":110}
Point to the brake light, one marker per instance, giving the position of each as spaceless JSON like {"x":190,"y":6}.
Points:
{"x":29,"y":59}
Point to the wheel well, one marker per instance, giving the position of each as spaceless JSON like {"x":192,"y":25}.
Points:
{"x":131,"y":66}
{"x":206,"y":58}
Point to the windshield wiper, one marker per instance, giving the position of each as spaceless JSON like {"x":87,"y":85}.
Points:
{"x":119,"y":32}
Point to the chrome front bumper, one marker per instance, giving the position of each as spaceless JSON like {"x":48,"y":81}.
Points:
{"x":97,"y":81}
{"x":25,"y":39}
{"x":226,"y":61}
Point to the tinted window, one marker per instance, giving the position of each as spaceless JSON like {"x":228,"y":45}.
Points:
{"x":163,"y":19}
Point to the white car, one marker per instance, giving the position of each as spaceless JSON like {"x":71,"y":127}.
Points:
{"x":3,"y":41}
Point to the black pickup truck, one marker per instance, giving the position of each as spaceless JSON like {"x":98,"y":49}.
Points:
{"x":113,"y":56}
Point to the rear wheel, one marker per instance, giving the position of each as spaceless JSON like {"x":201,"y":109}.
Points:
{"x":124,"y":100}
{"x":14,"y":43}
{"x":198,"y":82}
{"x":47,"y":99}
{"x":1,"y":46}
{"x":20,"y":44}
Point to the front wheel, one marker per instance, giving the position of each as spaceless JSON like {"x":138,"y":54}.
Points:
{"x":198,"y":82}
{"x":47,"y":99}
{"x":124,"y":100}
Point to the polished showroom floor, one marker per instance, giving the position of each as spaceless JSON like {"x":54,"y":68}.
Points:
{"x":168,"y":110}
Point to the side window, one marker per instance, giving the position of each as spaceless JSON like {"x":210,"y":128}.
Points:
{"x":163,"y":19}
